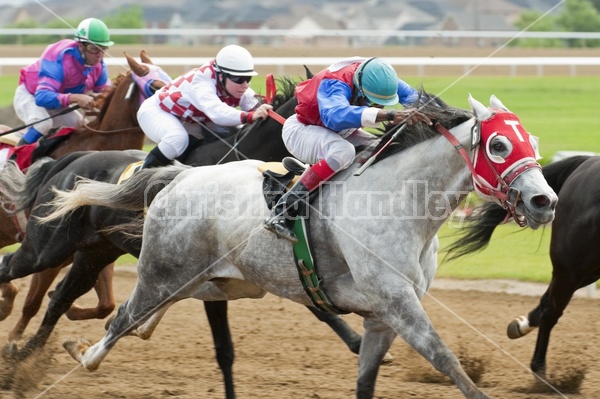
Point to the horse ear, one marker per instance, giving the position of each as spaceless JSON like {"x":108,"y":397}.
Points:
{"x":309,"y":73}
{"x":144,"y":57}
{"x":481,"y":111}
{"x":495,"y":103}
{"x":136,"y":67}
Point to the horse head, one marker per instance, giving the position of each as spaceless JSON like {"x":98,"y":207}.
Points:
{"x":502,"y":152}
{"x":146,"y":75}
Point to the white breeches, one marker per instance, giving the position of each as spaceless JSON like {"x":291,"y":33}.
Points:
{"x":29,"y":112}
{"x":169,"y":131}
{"x":311,"y":143}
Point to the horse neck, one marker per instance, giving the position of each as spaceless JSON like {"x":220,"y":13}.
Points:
{"x":262,"y":141}
{"x":417,"y":182}
{"x":121,"y":112}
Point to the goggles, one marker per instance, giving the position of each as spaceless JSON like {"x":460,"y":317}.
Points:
{"x":94,"y":48}
{"x":239,"y":79}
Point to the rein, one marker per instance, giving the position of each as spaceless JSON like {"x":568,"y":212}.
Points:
{"x":503,"y":195}
{"x":126,"y":129}
{"x":271,"y":91}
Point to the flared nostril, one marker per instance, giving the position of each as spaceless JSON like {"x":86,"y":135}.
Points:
{"x":543,"y":201}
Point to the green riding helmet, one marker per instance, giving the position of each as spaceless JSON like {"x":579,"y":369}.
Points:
{"x":92,"y":30}
{"x":377,"y":80}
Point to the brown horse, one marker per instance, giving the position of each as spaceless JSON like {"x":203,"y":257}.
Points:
{"x":114,"y":128}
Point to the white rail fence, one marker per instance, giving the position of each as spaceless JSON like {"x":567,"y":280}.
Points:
{"x":353,"y":33}
{"x":509,"y":65}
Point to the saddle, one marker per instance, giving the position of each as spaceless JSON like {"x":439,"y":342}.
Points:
{"x":10,"y":139}
{"x":278,"y":177}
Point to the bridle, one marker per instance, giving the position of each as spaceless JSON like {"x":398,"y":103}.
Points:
{"x":503,"y":192}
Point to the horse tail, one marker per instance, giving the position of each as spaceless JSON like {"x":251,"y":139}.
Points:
{"x":476,"y":234}
{"x":19,"y":190}
{"x":484,"y":219}
{"x":135,"y":194}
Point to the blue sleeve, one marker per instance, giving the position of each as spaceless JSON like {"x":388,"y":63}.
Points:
{"x":335,"y":110}
{"x":406,"y":93}
{"x":50,"y":80}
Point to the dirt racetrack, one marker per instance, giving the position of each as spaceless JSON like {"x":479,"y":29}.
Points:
{"x":282,"y":351}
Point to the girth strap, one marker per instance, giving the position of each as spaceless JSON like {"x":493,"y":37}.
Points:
{"x":307,"y":270}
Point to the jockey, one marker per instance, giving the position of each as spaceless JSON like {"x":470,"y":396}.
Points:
{"x":333,"y":106}
{"x":65,"y":72}
{"x":201,"y":103}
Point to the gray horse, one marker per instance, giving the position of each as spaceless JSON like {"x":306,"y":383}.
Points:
{"x":374,"y":235}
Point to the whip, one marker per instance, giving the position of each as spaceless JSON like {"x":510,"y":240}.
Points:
{"x":64,"y":111}
{"x":372,"y":158}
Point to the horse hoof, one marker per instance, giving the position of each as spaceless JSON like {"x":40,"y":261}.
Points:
{"x":77,"y":348}
{"x":10,"y":351}
{"x":387,"y":359}
{"x":518,"y":328}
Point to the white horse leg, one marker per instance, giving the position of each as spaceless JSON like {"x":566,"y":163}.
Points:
{"x":407,"y":316}
{"x":90,"y":356}
{"x":376,"y":342}
{"x":141,"y":305}
{"x":518,"y":328}
{"x":146,"y":330}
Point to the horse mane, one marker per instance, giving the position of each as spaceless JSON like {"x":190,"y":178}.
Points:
{"x":437,"y":110}
{"x":286,"y":86}
{"x":107,"y":97}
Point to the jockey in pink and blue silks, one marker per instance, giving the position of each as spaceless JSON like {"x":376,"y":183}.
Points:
{"x":202,"y":102}
{"x":333,"y":106}
{"x":63,"y":75}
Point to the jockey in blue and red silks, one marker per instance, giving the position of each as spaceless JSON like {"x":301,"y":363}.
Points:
{"x":65,"y":72}
{"x":203,"y":98}
{"x":333,"y":106}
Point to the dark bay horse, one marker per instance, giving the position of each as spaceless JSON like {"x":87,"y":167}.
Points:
{"x":203,"y":233}
{"x":46,"y":246}
{"x":114,"y":128}
{"x":573,"y":245}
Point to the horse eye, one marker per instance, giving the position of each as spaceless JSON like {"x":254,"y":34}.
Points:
{"x":499,"y":146}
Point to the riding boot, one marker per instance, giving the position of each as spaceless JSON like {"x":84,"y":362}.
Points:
{"x":31,"y":136}
{"x":155,"y":159}
{"x":295,"y":201}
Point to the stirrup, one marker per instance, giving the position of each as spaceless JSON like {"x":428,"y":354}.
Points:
{"x":280,"y":228}
{"x":294,"y":165}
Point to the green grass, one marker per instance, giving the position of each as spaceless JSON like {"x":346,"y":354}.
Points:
{"x":513,"y":253}
{"x":559,"y":110}
{"x":8,"y":84}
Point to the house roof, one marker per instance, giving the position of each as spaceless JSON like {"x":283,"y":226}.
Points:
{"x":282,"y":14}
{"x":303,"y":15}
